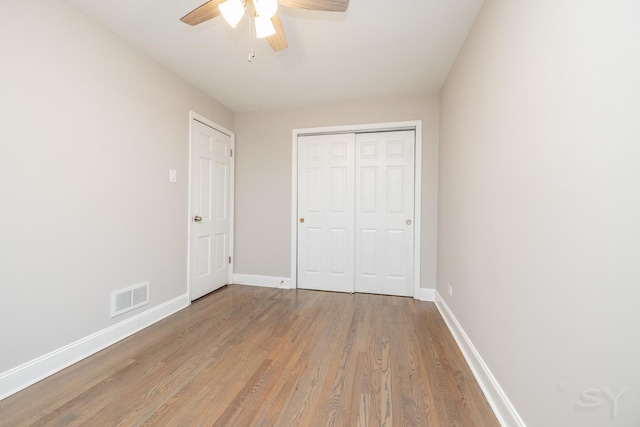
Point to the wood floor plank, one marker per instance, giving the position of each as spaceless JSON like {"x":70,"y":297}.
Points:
{"x":246,"y":356}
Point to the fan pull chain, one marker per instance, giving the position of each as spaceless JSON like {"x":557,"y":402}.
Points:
{"x":252,"y":53}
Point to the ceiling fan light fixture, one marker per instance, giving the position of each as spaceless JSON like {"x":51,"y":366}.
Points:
{"x":264,"y":27}
{"x":232,"y":11}
{"x":266,"y":23}
{"x":266,"y":8}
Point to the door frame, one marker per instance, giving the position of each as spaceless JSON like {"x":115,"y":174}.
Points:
{"x":193,"y":116}
{"x":415,"y":125}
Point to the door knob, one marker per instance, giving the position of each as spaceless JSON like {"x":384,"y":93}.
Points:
{"x":197,"y":218}
{"x":408,"y":222}
{"x":301,"y":220}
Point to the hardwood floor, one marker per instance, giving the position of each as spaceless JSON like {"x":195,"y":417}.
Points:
{"x":247,"y":356}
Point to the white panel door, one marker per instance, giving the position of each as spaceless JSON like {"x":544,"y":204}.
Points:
{"x":326,"y":212}
{"x":384,"y":212}
{"x":211,"y":226}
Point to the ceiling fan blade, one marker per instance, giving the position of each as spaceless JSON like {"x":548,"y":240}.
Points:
{"x":203,"y":13}
{"x":278,"y":41}
{"x":326,"y":5}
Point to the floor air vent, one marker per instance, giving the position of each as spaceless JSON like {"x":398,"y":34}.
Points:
{"x":127,"y":299}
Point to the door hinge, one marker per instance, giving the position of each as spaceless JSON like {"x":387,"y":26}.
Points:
{"x":229,"y":260}
{"x":230,"y":153}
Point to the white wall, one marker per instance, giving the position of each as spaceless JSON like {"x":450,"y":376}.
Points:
{"x":263,"y":177}
{"x":89,"y":129}
{"x":539,"y":207}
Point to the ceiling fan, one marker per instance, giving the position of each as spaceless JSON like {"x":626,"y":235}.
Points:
{"x":266,"y":21}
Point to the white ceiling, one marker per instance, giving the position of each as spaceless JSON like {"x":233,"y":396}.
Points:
{"x":375,"y":49}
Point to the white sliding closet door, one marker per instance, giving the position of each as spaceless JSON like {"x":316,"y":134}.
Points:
{"x":326,"y":212}
{"x":355,"y":212}
{"x":384,"y":212}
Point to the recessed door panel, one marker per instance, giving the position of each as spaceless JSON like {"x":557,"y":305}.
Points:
{"x":313,"y":151}
{"x":221,"y":194}
{"x":220,"y":252}
{"x":339,"y":151}
{"x":395,"y":190}
{"x":368,"y":189}
{"x":395,"y":259}
{"x":314,"y":250}
{"x":314,"y":190}
{"x":204,"y":195}
{"x":204,"y":256}
{"x":395,"y":149}
{"x":369,"y":150}
{"x":367,"y":253}
{"x":338,"y":237}
{"x":338,"y":190}
{"x":221,"y":147}
{"x":205,"y":142}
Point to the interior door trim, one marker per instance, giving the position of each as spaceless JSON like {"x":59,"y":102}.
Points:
{"x":362,"y":128}
{"x":195,"y":117}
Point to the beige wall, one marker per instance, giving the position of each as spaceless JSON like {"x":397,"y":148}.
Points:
{"x":539,"y":206}
{"x":263,"y":177}
{"x":89,"y":129}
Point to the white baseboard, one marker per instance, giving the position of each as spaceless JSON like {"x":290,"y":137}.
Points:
{"x":425,"y":294}
{"x":264,"y":281}
{"x":20,"y":377}
{"x":498,"y":400}
{"x":286,"y":283}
